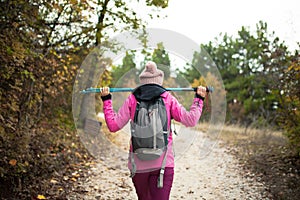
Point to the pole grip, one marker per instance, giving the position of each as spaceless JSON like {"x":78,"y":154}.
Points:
{"x":209,"y":89}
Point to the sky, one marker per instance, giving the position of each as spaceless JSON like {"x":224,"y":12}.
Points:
{"x":202,"y":21}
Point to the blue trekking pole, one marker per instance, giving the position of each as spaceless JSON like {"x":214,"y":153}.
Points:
{"x":97,"y":90}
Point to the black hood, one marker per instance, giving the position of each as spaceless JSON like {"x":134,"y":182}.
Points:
{"x":148,"y":92}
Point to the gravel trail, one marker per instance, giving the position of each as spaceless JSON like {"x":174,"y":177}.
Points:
{"x":215,"y":176}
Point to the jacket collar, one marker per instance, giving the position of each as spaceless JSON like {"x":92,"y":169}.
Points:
{"x":148,"y":92}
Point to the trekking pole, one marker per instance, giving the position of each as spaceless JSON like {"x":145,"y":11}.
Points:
{"x":97,"y":90}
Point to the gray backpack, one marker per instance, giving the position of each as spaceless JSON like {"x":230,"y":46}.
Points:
{"x":149,"y":132}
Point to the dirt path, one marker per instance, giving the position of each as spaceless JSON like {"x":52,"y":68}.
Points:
{"x":215,"y":176}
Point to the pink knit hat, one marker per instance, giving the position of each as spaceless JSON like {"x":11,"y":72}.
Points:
{"x":151,"y":74}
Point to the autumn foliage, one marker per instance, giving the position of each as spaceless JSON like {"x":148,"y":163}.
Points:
{"x":37,"y":137}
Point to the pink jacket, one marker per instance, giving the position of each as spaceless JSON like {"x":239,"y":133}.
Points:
{"x":117,"y":120}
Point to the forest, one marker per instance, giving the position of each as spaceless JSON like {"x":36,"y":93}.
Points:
{"x":43,"y":45}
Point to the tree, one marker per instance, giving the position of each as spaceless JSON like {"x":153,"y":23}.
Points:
{"x":88,"y":23}
{"x":125,"y":75}
{"x":127,"y":65}
{"x":244,"y":63}
{"x":110,"y":16}
{"x":35,"y":92}
{"x":30,"y":78}
{"x":161,"y":58}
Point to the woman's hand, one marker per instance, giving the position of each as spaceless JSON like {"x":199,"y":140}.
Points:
{"x":105,"y":91}
{"x":201,"y":91}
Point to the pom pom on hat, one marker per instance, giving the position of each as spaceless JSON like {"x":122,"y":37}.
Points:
{"x":151,"y":74}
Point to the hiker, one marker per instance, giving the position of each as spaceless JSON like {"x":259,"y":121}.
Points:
{"x":152,"y":178}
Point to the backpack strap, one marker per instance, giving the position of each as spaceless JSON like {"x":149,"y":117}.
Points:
{"x":133,"y":165}
{"x":133,"y":170}
{"x":154,"y":130}
{"x":137,"y":107}
{"x":160,"y":180}
{"x":165,"y":125}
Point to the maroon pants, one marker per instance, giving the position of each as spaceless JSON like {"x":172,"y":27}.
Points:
{"x":146,"y":185}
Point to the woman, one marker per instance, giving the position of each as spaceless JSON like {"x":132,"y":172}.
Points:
{"x":147,"y":174}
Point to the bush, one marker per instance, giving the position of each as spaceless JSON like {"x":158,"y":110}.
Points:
{"x":32,"y":158}
{"x":289,"y":101}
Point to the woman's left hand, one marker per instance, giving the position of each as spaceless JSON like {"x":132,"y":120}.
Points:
{"x":105,"y":91}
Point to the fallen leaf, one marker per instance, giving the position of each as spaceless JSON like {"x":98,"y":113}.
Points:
{"x":13,"y":162}
{"x":53,"y":181}
{"x":41,"y":197}
{"x":75,"y":174}
{"x":26,"y":163}
{"x":73,"y":179}
{"x":78,"y":155}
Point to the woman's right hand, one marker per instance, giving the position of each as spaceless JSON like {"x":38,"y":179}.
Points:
{"x":105,"y":91}
{"x":201,"y":91}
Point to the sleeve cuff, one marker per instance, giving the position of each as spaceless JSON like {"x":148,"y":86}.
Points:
{"x":200,"y":97}
{"x":107,"y":97}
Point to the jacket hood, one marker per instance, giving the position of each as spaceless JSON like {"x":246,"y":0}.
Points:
{"x":148,"y":92}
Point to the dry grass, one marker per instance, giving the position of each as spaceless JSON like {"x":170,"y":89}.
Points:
{"x":237,"y":135}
